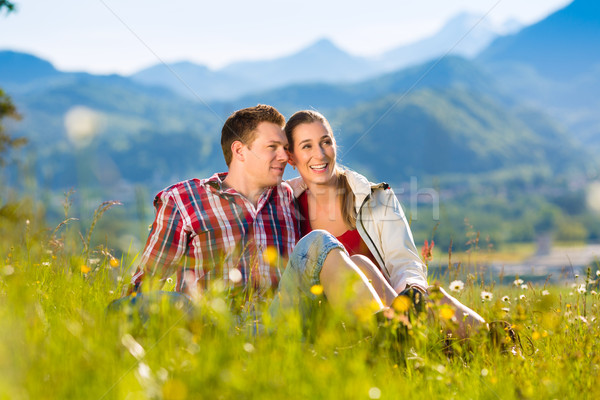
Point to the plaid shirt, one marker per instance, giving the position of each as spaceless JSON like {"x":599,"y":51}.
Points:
{"x":204,"y":232}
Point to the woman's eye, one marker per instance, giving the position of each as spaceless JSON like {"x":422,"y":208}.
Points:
{"x":306,"y":146}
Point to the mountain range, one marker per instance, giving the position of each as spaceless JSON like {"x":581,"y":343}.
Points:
{"x":322,"y":62}
{"x":446,"y":116}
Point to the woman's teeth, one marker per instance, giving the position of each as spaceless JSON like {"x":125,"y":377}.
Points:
{"x":319,"y":167}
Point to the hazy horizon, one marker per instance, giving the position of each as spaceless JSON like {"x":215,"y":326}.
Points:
{"x":105,"y":36}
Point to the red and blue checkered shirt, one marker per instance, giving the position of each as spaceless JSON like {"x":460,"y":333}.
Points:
{"x":205,"y":231}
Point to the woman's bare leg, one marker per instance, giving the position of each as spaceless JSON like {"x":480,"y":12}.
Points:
{"x":384,"y":290}
{"x":346,"y":286}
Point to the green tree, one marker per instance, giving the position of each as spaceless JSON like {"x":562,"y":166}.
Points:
{"x":7,"y":110}
{"x":6,"y":4}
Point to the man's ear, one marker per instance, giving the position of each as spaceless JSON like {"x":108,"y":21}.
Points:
{"x":237,"y":152}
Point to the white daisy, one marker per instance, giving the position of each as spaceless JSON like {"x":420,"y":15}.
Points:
{"x":518,"y":282}
{"x":486,"y":296}
{"x":457,"y":286}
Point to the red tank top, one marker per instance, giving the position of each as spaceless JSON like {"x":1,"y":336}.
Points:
{"x":350,"y":239}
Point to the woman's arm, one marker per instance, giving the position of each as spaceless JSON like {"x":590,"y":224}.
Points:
{"x":399,"y":252}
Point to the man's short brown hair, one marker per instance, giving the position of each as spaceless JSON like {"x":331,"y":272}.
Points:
{"x":241,"y":125}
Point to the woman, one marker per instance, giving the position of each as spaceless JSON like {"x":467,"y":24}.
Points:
{"x":366,"y":218}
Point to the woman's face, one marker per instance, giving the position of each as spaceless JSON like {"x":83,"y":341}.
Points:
{"x":314,"y":153}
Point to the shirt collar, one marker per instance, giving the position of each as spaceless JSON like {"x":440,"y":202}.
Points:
{"x":215,"y":183}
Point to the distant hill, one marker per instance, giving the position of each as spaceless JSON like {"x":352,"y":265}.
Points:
{"x":195,"y":81}
{"x":449,"y":72}
{"x":443,"y":117}
{"x":465,"y":34}
{"x":555,"y":65}
{"x":320,"y":62}
{"x":562,"y":46}
{"x":323,"y":61}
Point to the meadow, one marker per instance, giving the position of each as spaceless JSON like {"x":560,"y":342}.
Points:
{"x":57,"y":341}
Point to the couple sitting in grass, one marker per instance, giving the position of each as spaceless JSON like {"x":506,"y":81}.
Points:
{"x":328,"y":229}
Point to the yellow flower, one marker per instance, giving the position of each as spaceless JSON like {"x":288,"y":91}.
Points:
{"x":114,"y":262}
{"x":270,"y":255}
{"x":401,"y":304}
{"x":316,"y":290}
{"x":446,"y":312}
{"x":85,"y":269}
{"x":535,"y":335}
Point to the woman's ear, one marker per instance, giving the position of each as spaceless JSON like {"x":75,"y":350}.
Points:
{"x":237,"y":152}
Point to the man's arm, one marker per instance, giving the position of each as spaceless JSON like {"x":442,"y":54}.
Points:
{"x":166,"y":244}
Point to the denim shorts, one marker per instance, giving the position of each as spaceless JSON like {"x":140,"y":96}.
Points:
{"x":303,"y":272}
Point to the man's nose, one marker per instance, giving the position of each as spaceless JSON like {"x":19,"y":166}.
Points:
{"x":282,"y":155}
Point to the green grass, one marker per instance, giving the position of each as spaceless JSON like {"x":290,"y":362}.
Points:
{"x":56,"y":341}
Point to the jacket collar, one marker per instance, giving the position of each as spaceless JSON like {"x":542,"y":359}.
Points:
{"x":361,"y":187}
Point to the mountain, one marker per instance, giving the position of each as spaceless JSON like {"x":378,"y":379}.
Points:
{"x":450,"y":131}
{"x":449,"y":72}
{"x":465,"y":34}
{"x":561,"y":46}
{"x":323,"y":61}
{"x":22,"y":67}
{"x":555,"y":65}
{"x":141,"y":134}
{"x":195,"y":81}
{"x":442,"y":117}
{"x":320,"y":62}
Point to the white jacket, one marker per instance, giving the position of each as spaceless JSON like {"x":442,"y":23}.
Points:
{"x":383,"y":227}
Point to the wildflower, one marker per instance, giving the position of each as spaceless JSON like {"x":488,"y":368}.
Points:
{"x":598,"y":272}
{"x":114,"y":262}
{"x":316,"y":289}
{"x":518,"y":282}
{"x":593,"y":292}
{"x":457,"y":286}
{"x":446,"y":312}
{"x":85,"y":269}
{"x":174,"y":389}
{"x":46,"y":264}
{"x":374,"y":393}
{"x":545,"y":293}
{"x":8,"y":270}
{"x":235,"y":275}
{"x":270,"y":255}
{"x":486,"y":296}
{"x":401,"y":304}
{"x":522,"y":297}
{"x":524,"y":287}
{"x":535,"y":335}
{"x":506,"y":299}
{"x":248,"y":347}
{"x":581,"y":289}
{"x":427,"y":250}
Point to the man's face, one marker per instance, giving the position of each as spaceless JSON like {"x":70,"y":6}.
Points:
{"x":266,"y":157}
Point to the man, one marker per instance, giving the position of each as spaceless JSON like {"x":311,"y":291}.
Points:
{"x":241,"y":226}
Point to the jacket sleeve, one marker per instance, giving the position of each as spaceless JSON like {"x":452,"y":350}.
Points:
{"x":400,"y":254}
{"x":166,"y":242}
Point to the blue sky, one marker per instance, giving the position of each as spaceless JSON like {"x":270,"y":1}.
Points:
{"x":122,"y":36}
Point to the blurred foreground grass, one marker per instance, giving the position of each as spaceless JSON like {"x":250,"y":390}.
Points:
{"x":56,"y":341}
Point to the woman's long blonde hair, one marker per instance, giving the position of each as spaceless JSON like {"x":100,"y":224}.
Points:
{"x":343,"y":187}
